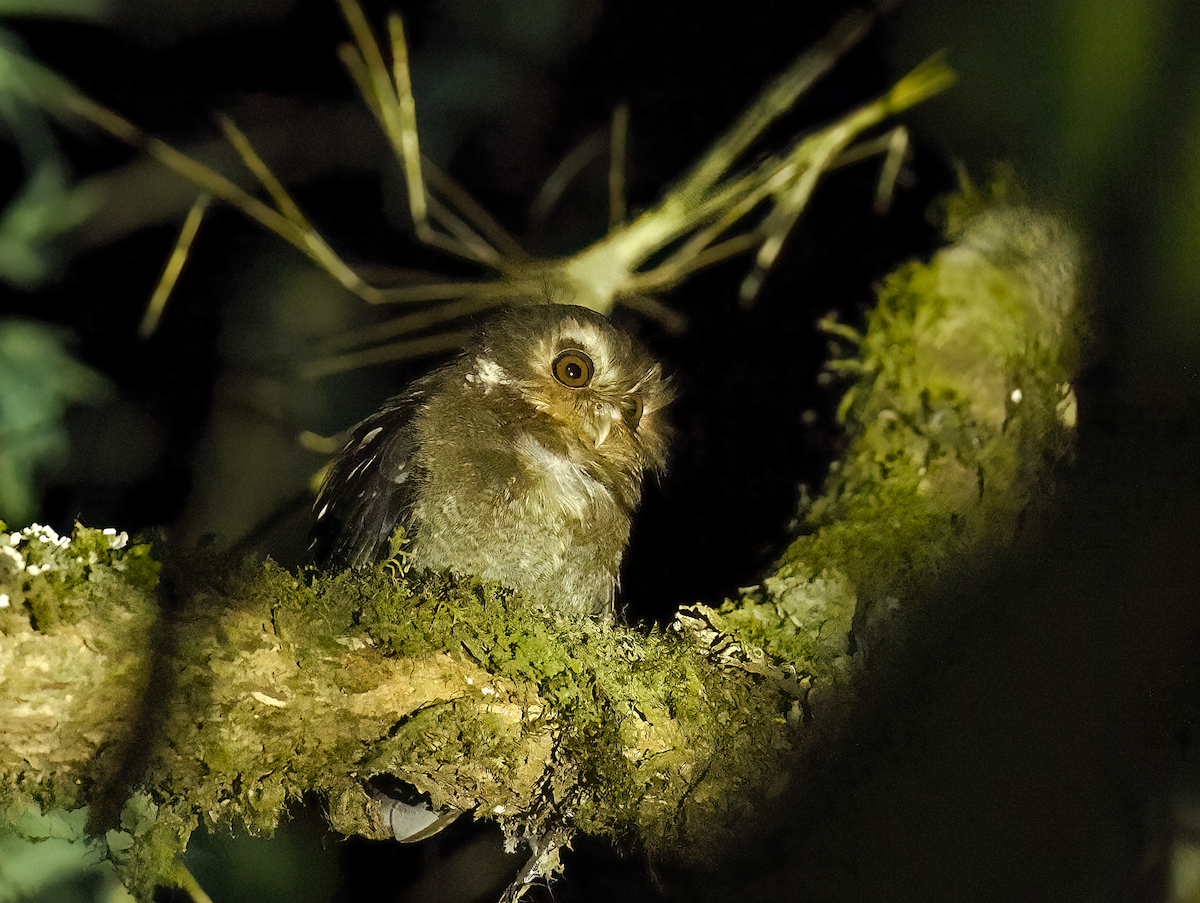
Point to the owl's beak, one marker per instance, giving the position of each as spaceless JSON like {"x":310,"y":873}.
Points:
{"x":603,"y":423}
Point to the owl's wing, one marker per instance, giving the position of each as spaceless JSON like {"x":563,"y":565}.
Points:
{"x":371,"y":486}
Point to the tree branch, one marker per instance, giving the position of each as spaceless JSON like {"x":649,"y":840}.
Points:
{"x":263,"y":687}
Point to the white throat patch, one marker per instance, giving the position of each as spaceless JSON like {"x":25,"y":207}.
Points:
{"x":571,"y":488}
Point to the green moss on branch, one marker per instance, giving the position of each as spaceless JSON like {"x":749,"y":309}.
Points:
{"x":960,"y":407}
{"x":268,"y":687}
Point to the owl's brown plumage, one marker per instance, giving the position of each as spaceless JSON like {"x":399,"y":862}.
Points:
{"x":520,"y":461}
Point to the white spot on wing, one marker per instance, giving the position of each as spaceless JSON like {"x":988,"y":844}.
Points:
{"x":361,"y":465}
{"x":366,"y":440}
{"x":489,"y":374}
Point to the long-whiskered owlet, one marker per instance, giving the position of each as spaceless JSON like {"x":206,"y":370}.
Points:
{"x":521,"y":461}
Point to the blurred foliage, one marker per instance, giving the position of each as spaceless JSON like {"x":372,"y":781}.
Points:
{"x":59,"y":869}
{"x":1097,"y":104}
{"x":44,"y":208}
{"x":39,"y":381}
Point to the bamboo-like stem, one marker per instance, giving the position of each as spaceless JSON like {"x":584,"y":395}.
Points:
{"x":175,"y":264}
{"x":776,"y":100}
{"x":399,"y":123}
{"x":283,"y":201}
{"x":608,"y":268}
{"x":697,"y":214}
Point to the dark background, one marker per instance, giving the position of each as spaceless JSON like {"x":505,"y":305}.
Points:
{"x":1040,"y":749}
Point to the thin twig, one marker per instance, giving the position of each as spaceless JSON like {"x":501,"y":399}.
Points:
{"x":487,"y":225}
{"x":567,"y":170}
{"x":58,"y":96}
{"x":897,"y":153}
{"x":409,"y":147}
{"x":499,"y":237}
{"x":471,"y":244}
{"x":170,"y":275}
{"x":390,"y":98}
{"x":253,"y":162}
{"x":648,"y":306}
{"x":668,"y":276}
{"x":774,"y":101}
{"x":399,"y":125}
{"x":603,"y":272}
{"x":383,"y":354}
{"x":409,"y":323}
{"x":444,"y":291}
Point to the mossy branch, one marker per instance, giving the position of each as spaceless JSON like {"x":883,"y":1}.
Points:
{"x":264,"y":687}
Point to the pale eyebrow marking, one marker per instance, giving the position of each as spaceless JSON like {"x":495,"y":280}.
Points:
{"x":583,"y":333}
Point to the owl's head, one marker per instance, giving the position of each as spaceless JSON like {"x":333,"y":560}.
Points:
{"x":599,"y":395}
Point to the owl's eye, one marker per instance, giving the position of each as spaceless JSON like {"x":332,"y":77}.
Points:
{"x":631,"y":410}
{"x":573,"y":368}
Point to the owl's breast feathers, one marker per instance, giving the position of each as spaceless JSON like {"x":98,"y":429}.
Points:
{"x":521,"y":461}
